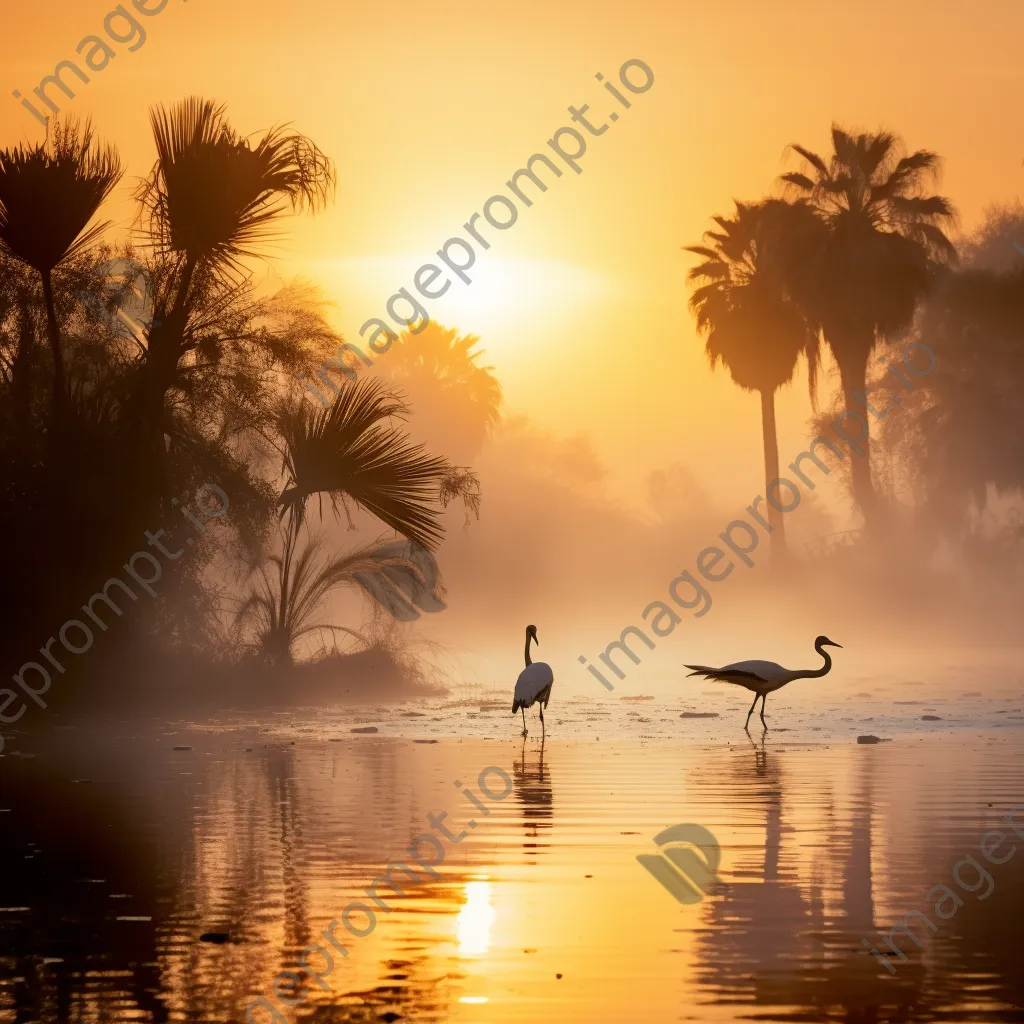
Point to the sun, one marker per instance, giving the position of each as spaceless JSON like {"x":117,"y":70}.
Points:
{"x":514,"y":305}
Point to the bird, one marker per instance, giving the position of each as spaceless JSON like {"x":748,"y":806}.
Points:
{"x":533,"y":684}
{"x":764,"y":677}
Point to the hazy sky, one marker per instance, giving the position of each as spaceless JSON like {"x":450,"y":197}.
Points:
{"x":581,"y":305}
{"x":428,"y":110}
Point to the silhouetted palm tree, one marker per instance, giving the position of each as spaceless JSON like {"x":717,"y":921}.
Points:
{"x":347,"y":452}
{"x":48,"y":195}
{"x":291,"y":587}
{"x":211,"y":199}
{"x":881,"y":238}
{"x":457,"y":402}
{"x":750,"y":325}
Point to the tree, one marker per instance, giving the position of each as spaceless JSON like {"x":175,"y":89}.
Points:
{"x":880,"y":241}
{"x":290,"y":589}
{"x":348,"y":453}
{"x":961,"y":433}
{"x":48,"y":195}
{"x":457,"y":401}
{"x":211,"y":198}
{"x":19,"y":321}
{"x":750,"y":325}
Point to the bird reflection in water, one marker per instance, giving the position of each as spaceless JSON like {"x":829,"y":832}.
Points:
{"x":768,"y":943}
{"x":773,"y":915}
{"x":532,"y":786}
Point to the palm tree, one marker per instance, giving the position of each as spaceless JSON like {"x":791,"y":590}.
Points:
{"x":290,"y":589}
{"x":750,"y":325}
{"x":347,"y":452}
{"x":48,"y":195}
{"x":211,"y":199}
{"x":881,"y":238}
{"x":457,"y":400}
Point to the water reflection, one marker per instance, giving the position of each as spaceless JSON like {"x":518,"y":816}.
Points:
{"x":759,"y":928}
{"x":532,"y":782}
{"x":267,"y":841}
{"x":475,"y":920}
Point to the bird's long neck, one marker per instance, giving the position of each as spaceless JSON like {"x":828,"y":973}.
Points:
{"x":528,"y":661}
{"x":816,"y":674}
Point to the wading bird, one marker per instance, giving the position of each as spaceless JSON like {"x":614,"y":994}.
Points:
{"x":533,"y":684}
{"x":763,"y":677}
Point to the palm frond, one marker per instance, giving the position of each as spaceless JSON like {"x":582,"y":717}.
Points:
{"x":346,"y":451}
{"x":213,"y":195}
{"x":801,"y":181}
{"x":812,"y":158}
{"x":290,"y":589}
{"x":741,"y":306}
{"x":50,"y":192}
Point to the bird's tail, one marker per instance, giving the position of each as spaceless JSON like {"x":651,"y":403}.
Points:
{"x":720,"y":675}
{"x":515,"y":706}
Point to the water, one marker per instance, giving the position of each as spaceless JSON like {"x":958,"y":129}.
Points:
{"x":119,"y":852}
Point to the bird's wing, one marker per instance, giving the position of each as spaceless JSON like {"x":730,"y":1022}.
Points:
{"x":768,"y":671}
{"x":740,"y":672}
{"x":532,"y":681}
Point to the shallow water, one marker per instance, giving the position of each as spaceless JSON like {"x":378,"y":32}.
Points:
{"x":119,"y":852}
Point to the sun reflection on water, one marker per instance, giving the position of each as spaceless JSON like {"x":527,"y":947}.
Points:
{"x":475,"y":920}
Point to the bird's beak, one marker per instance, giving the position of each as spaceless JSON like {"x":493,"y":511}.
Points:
{"x":840,"y":646}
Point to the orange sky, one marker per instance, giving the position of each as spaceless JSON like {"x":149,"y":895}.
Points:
{"x":428,"y":110}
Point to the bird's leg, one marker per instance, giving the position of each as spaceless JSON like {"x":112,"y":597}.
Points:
{"x":524,"y":720}
{"x":746,"y":725}
{"x":763,"y":700}
{"x":541,"y":706}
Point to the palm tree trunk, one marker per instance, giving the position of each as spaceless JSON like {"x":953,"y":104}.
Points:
{"x":771,"y":471}
{"x":166,"y":343}
{"x":58,"y":359}
{"x":853,"y":376}
{"x":21,"y":372}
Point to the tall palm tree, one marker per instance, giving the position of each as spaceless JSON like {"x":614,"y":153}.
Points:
{"x":48,"y":195}
{"x":212,"y":197}
{"x":882,"y":237}
{"x":750,"y":325}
